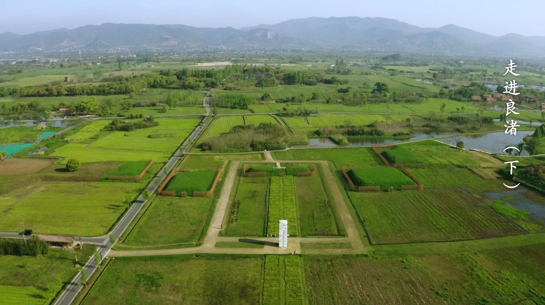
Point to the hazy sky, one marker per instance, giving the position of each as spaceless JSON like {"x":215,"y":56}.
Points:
{"x":499,"y":17}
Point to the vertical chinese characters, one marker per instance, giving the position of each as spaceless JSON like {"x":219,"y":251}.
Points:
{"x":511,"y":127}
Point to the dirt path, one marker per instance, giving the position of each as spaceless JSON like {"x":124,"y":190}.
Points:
{"x":268,"y":156}
{"x":294,"y":244}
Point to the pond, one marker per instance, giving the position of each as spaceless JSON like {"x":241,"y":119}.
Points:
{"x":519,"y":199}
{"x":325,"y":142}
{"x":8,"y":123}
{"x":491,"y":142}
{"x":13,"y":148}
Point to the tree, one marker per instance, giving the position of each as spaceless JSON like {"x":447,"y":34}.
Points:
{"x":132,"y":95}
{"x":84,"y":276}
{"x":97,"y":258}
{"x":128,"y":200}
{"x":316,"y":95}
{"x":120,"y":66}
{"x":73,"y":165}
{"x":380,"y":87}
{"x":87,"y":105}
{"x":460,"y":144}
{"x":112,"y":239}
{"x":266,"y":97}
{"x":146,"y":193}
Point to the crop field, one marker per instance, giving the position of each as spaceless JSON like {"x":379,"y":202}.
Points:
{"x":200,"y":180}
{"x":314,"y":207}
{"x":282,"y":283}
{"x":89,"y":131}
{"x":179,"y":280}
{"x":195,"y":161}
{"x":86,"y":209}
{"x":450,"y":176}
{"x":26,"y":279}
{"x":446,"y":155}
{"x":171,"y":220}
{"x":23,"y":134}
{"x":222,"y":125}
{"x":34,"y":80}
{"x":428,"y":215}
{"x":90,"y":155}
{"x":341,"y":157}
{"x":249,"y":209}
{"x":133,"y":168}
{"x":12,"y":166}
{"x":176,"y":129}
{"x":385,"y":177}
{"x":499,"y":276}
{"x":282,"y":205}
{"x":257,"y":119}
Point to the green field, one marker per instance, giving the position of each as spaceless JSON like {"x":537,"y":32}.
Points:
{"x":179,"y":280}
{"x":385,"y":177}
{"x":34,"y":280}
{"x":282,"y":283}
{"x":450,"y":176}
{"x":158,"y":110}
{"x":194,"y":181}
{"x":133,"y":168}
{"x":314,"y":206}
{"x":79,"y":209}
{"x":281,"y":205}
{"x":445,"y":155}
{"x":89,"y":131}
{"x":222,"y":125}
{"x":401,"y":155}
{"x":248,"y":213}
{"x":500,"y":276}
{"x":172,"y":220}
{"x":176,"y":130}
{"x":341,"y":157}
{"x":34,"y":80}
{"x":306,"y":124}
{"x":428,"y":215}
{"x":219,"y":160}
{"x":257,"y":119}
{"x":89,"y":154}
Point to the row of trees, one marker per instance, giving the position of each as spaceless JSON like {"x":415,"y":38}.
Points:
{"x":30,"y":247}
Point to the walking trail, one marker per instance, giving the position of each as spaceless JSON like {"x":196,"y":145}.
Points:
{"x":270,"y":243}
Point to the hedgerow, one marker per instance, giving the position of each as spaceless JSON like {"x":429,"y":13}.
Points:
{"x":381,"y":176}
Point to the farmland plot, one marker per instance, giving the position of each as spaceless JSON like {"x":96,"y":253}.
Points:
{"x":222,"y":125}
{"x":257,"y":119}
{"x":428,"y":215}
{"x":282,"y":205}
{"x":282,"y":283}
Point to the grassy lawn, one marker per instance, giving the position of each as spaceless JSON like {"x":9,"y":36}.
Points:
{"x":200,"y":180}
{"x":34,"y":80}
{"x":428,"y":215}
{"x":80,"y":209}
{"x":247,"y":215}
{"x":500,"y":276}
{"x":27,"y":279}
{"x":239,"y":245}
{"x":90,"y":130}
{"x":179,"y":280}
{"x":171,"y":220}
{"x":314,"y":207}
{"x":91,"y":154}
{"x":257,"y":119}
{"x":23,"y":134}
{"x":175,"y":130}
{"x":341,"y":157}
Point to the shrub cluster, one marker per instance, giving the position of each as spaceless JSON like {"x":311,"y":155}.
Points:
{"x":33,"y":246}
{"x":3,"y":154}
{"x":200,"y":181}
{"x":119,"y":125}
{"x":265,"y":136}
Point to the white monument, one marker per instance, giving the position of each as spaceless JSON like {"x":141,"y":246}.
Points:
{"x":283,"y":234}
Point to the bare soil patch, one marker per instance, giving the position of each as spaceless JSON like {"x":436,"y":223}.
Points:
{"x":11,"y":166}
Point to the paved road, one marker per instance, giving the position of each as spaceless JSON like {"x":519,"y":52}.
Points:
{"x":105,"y":246}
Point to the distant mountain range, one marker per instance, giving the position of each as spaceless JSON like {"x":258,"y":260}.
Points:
{"x":352,"y":33}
